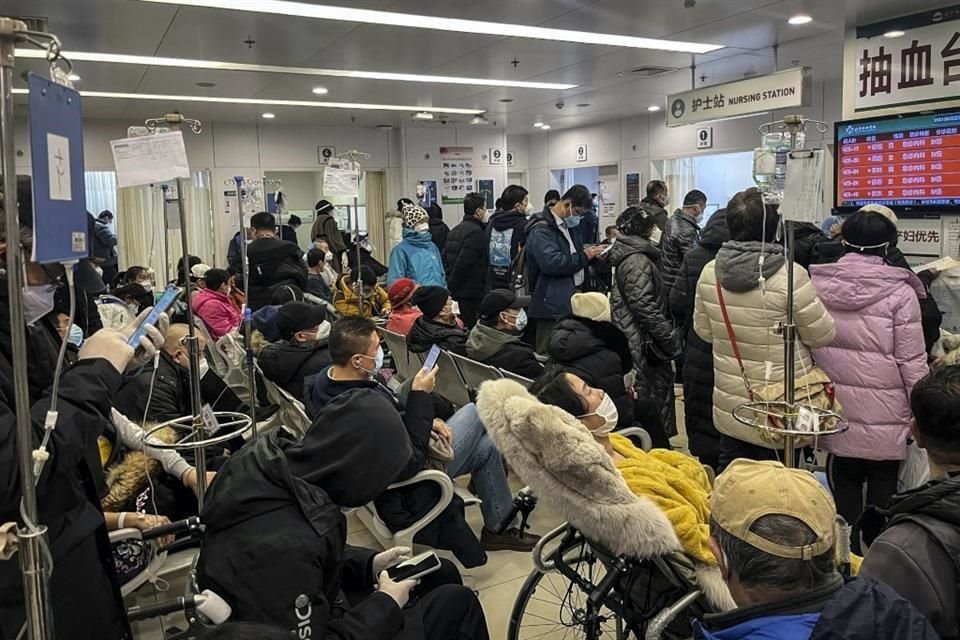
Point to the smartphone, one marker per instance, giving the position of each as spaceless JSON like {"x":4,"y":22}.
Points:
{"x":431,"y":360}
{"x":415,"y":568}
{"x":607,"y":250}
{"x":166,"y":301}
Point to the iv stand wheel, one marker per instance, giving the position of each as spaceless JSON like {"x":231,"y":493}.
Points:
{"x":235,"y":425}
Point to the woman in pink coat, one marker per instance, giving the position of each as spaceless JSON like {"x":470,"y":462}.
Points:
{"x":214,"y":306}
{"x":877,"y":356}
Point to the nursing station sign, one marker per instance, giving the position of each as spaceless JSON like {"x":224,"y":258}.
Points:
{"x":781,"y":90}
{"x":920,"y":65}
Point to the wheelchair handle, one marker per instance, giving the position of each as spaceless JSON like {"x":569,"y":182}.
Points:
{"x":546,"y":566}
{"x":608,"y":583}
{"x":191,"y":525}
{"x":664,"y":619}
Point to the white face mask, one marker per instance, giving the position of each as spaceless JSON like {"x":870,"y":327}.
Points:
{"x":529,"y":210}
{"x":328,"y":257}
{"x":608,"y":411}
{"x":133,"y":308}
{"x":655,"y":235}
{"x":147,"y":286}
{"x":423,"y":226}
{"x":37,"y":301}
{"x":204,"y":367}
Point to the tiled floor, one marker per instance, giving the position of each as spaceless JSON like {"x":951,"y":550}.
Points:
{"x":497,"y":583}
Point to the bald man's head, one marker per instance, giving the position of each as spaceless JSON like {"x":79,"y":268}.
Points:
{"x":176,"y":344}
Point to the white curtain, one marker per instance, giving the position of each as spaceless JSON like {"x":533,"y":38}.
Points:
{"x":101,"y":191}
{"x":146,"y":237}
{"x":376,"y":196}
{"x":680,"y":176}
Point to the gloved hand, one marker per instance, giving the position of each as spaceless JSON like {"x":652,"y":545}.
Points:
{"x":399,"y":591}
{"x":386,"y":559}
{"x":151,"y":342}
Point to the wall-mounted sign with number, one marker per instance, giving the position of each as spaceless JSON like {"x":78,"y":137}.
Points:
{"x":581,"y":153}
{"x":705,"y":138}
{"x":919,"y":67}
{"x":326,"y":154}
{"x":509,"y":158}
{"x":496,"y":155}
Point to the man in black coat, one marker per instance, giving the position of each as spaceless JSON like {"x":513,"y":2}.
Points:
{"x":275,"y":542}
{"x":681,"y":235}
{"x":438,"y":325}
{"x":104,"y":246}
{"x":506,"y":235}
{"x":495,"y":340}
{"x":655,"y":202}
{"x":698,"y":355}
{"x":300,"y":352}
{"x":465,"y":259}
{"x":272,"y":262}
{"x":85,"y":597}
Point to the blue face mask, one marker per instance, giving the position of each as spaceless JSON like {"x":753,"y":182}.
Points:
{"x":521,"y":322}
{"x":75,"y":337}
{"x":572,"y":221}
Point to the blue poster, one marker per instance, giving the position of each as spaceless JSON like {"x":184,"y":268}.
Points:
{"x":59,"y":193}
{"x":485,"y":188}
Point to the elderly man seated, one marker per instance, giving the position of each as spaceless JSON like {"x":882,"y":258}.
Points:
{"x":774,"y":532}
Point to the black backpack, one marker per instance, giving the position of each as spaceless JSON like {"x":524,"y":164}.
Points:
{"x":945,"y":534}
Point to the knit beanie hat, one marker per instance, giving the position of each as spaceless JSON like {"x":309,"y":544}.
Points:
{"x":412,"y":215}
{"x":401,"y":291}
{"x":592,"y":306}
{"x":364,"y":275}
{"x":430,"y":300}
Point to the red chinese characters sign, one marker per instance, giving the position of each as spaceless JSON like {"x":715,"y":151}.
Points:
{"x":922,"y":66}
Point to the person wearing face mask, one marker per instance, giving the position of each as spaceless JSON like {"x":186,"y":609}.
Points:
{"x":556,"y":260}
{"x":656,"y":201}
{"x":404,"y":314}
{"x":681,"y":235}
{"x":346,"y":295}
{"x":302,"y":350}
{"x":874,"y":360}
{"x":506,"y":235}
{"x":416,"y":257}
{"x":212,"y":305}
{"x":361,"y":242}
{"x":325,"y":227}
{"x":273,"y":263}
{"x":466,"y":259}
{"x":357,"y":357}
{"x":438,"y":324}
{"x":495,"y":340}
{"x":117,"y":309}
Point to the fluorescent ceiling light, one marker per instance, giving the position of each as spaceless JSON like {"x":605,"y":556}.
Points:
{"x":652,"y":108}
{"x":538,"y":124}
{"x":498,"y":29}
{"x":217,"y":65}
{"x":894,"y":33}
{"x":73,"y":77}
{"x":320,"y":91}
{"x":268,"y":116}
{"x":545,"y":127}
{"x":423,"y":115}
{"x":801,"y":19}
{"x":271,"y":103}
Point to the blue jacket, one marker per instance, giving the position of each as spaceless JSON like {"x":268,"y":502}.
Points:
{"x":417,"y":258}
{"x":794,"y":627}
{"x":551,"y":266}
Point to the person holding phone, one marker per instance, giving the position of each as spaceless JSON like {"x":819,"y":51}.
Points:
{"x":275,"y":544}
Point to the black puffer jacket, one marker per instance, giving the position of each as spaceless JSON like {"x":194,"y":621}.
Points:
{"x":655,"y":209}
{"x":273,"y":263}
{"x":288,"y":363}
{"x":505,"y":235}
{"x":698,"y":355}
{"x":681,"y":235}
{"x":438,"y":228}
{"x":599,"y":354}
{"x":639,"y":308}
{"x":425,"y":333}
{"x":465,"y":260}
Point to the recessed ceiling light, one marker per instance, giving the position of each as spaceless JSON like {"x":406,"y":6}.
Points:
{"x":498,"y":29}
{"x":652,"y":108}
{"x":73,"y":77}
{"x":269,"y":103}
{"x":538,"y":124}
{"x":423,"y":115}
{"x":800,"y":19}
{"x":544,"y":127}
{"x":320,"y":91}
{"x":479,"y":121}
{"x":268,"y":116}
{"x":506,"y":100}
{"x":583,"y":105}
{"x":206,"y":85}
{"x":894,"y":33}
{"x":190,"y":63}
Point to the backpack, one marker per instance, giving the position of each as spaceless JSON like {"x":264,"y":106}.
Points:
{"x":943,"y":533}
{"x":500,"y":245}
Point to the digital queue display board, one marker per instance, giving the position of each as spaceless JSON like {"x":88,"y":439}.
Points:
{"x":903,"y":162}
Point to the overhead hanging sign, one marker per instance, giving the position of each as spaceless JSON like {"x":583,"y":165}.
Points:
{"x":922,"y":66}
{"x":150,"y":159}
{"x":341,"y":178}
{"x":782,"y":90}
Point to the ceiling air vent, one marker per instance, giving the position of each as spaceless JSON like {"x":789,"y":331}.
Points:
{"x":34,"y":23}
{"x":647,"y":71}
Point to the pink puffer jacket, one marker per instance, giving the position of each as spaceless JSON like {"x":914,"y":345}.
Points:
{"x":877,"y":355}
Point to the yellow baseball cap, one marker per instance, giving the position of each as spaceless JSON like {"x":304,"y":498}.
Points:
{"x":748,"y":490}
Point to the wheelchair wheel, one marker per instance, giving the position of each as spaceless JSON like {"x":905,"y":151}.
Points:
{"x":552,"y":607}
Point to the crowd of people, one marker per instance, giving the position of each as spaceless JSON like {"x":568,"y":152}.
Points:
{"x":601,"y":329}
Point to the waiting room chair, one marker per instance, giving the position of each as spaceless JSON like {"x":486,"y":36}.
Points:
{"x":404,"y":538}
{"x":397,"y":344}
{"x":526,"y":382}
{"x":450,"y":384}
{"x":475,"y":373}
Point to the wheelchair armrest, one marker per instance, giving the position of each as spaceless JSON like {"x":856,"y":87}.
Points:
{"x":127,"y":533}
{"x":646,"y":442}
{"x":663,"y":619}
{"x":546,"y":566}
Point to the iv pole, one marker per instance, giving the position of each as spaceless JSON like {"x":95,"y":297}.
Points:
{"x":247,"y":313}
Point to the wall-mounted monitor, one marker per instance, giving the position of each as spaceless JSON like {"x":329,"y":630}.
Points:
{"x":906,"y":162}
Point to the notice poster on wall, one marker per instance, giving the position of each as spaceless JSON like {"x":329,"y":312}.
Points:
{"x":485,"y":188}
{"x":633,"y":189}
{"x":457,"y":165}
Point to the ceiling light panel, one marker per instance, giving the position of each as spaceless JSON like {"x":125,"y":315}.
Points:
{"x":272,"y":103}
{"x":497,"y":29}
{"x":189,"y":63}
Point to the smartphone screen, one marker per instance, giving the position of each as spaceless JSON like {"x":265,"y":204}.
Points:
{"x":415,"y":568}
{"x":431,"y":360}
{"x":166,"y":301}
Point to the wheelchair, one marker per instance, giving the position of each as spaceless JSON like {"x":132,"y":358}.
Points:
{"x":578,"y":589}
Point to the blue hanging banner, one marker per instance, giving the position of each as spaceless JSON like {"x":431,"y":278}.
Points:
{"x":59,"y":194}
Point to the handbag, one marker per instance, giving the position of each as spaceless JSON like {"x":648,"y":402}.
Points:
{"x":439,"y":455}
{"x":814,"y":386}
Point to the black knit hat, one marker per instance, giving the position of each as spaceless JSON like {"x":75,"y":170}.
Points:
{"x":322,"y":206}
{"x":430,"y":300}
{"x":365,"y":275}
{"x":635,"y":222}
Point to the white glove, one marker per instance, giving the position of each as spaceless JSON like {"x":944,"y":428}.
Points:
{"x":386,"y":559}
